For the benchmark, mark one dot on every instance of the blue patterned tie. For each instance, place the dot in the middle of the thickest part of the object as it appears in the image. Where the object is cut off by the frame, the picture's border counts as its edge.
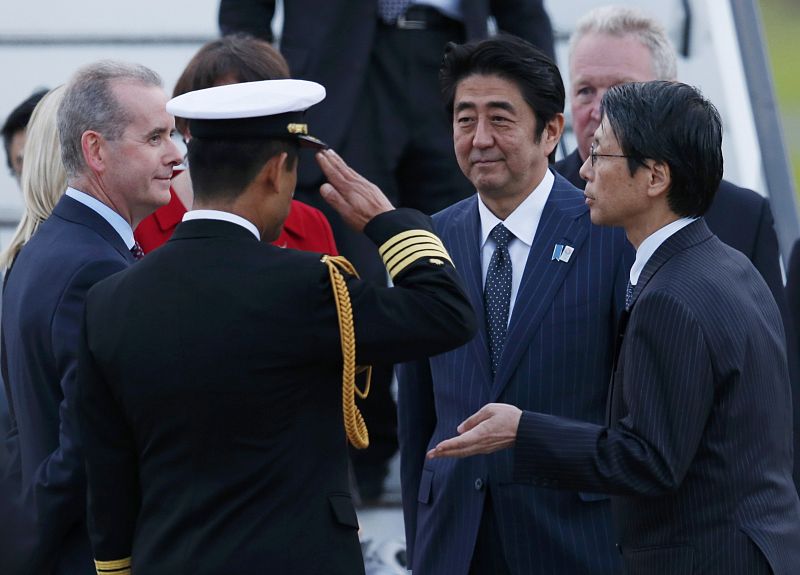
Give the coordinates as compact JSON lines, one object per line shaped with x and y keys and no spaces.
{"x":628,"y":295}
{"x":497,"y":294}
{"x":391,"y":10}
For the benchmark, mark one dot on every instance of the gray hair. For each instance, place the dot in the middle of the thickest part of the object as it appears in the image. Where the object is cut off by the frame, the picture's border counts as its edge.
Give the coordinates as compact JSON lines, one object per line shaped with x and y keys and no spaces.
{"x":622,"y":21}
{"x":90,"y":104}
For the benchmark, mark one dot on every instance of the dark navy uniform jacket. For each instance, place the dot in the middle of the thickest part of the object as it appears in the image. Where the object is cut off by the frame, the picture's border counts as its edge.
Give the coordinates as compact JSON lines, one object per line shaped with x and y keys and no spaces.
{"x":211,"y":396}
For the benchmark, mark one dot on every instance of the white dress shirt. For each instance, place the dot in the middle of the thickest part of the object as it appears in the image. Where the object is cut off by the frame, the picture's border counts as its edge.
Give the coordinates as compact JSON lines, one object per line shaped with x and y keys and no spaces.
{"x":651,"y":243}
{"x":522,"y":223}
{"x":223,"y":216}
{"x":116,"y":221}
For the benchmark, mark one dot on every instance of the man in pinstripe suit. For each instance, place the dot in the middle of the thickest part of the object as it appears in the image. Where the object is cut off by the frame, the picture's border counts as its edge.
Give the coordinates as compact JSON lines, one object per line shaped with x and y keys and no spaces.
{"x":697,"y":447}
{"x":549,"y":350}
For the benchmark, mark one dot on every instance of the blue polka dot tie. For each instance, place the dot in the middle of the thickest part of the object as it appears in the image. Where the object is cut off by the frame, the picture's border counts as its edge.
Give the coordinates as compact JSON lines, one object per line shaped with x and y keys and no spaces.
{"x":497,"y":294}
{"x":391,"y":10}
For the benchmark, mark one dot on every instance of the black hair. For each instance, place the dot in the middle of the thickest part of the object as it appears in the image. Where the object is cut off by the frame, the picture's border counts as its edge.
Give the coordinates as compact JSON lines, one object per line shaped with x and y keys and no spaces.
{"x":222,"y":168}
{"x":673,"y":123}
{"x":18,"y":120}
{"x":513,"y":59}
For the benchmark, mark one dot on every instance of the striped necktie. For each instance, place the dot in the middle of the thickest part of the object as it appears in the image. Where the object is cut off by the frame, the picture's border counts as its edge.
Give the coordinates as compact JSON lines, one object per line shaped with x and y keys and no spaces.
{"x":628,"y":295}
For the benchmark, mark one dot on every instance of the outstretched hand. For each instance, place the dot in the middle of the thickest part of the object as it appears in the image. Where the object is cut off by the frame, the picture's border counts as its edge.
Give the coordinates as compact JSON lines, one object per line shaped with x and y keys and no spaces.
{"x":355,"y":198}
{"x":492,"y":428}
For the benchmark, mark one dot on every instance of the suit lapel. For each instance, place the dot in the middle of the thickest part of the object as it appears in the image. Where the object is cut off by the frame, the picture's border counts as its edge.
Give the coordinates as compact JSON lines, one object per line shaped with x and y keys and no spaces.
{"x":684,"y":238}
{"x":72,"y":210}
{"x":688,"y":236}
{"x":561,"y":223}
{"x":462,"y":239}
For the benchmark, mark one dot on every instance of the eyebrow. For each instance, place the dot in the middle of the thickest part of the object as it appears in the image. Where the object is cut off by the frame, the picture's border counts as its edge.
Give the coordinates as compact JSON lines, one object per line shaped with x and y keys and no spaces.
{"x":501,"y":104}
{"x":158,"y":130}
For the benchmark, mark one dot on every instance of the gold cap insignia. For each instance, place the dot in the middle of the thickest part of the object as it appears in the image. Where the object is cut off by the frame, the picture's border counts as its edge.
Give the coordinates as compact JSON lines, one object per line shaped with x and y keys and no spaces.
{"x":297,"y":128}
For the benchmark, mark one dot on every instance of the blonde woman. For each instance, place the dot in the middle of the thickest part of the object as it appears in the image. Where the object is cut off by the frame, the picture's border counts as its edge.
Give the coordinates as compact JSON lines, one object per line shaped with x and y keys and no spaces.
{"x":43,"y":177}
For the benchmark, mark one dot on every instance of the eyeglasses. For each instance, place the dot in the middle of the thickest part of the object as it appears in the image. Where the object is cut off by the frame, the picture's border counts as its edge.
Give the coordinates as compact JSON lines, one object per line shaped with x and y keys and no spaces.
{"x":594,"y":155}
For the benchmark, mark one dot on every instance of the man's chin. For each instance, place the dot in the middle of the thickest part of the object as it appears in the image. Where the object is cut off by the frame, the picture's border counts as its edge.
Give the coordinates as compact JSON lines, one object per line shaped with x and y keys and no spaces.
{"x":597,"y":217}
{"x":162,"y":195}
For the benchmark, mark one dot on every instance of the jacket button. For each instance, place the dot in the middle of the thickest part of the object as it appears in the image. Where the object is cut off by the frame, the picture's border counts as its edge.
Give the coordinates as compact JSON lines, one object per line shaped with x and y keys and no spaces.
{"x":478,"y":484}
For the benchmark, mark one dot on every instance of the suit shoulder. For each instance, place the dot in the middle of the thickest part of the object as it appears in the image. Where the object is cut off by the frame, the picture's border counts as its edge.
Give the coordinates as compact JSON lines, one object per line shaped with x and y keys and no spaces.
{"x":455,"y":212}
{"x":743,"y":200}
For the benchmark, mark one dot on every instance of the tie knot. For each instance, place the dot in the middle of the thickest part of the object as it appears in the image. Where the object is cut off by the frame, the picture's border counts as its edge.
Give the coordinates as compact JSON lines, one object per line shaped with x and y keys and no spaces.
{"x":500,"y":235}
{"x":137,"y":251}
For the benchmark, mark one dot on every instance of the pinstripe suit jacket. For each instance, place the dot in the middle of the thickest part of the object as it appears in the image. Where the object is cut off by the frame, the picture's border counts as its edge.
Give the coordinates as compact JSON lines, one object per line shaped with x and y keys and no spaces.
{"x":557,"y":359}
{"x":698,"y":450}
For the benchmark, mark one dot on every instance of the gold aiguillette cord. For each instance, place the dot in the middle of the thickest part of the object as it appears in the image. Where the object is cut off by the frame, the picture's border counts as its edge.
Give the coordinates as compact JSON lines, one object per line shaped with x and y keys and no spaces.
{"x":354,"y":424}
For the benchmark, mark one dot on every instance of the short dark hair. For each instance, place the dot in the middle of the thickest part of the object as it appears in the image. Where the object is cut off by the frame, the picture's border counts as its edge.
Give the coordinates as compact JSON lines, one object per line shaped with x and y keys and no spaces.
{"x":513,"y":59}
{"x":18,"y":120}
{"x":222,"y":168}
{"x":673,"y":123}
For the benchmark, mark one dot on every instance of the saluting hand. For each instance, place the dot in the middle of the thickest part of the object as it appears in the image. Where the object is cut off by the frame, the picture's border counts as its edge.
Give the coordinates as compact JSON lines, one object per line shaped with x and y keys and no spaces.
{"x":355,"y":198}
{"x":492,"y":428}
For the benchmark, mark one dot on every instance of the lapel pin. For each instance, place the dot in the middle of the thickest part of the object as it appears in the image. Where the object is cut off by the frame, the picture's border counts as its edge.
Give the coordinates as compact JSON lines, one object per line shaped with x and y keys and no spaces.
{"x":562,"y":253}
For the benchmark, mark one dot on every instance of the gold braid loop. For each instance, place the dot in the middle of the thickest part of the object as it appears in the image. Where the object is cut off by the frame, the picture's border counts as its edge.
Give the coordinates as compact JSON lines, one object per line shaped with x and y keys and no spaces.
{"x":354,"y":424}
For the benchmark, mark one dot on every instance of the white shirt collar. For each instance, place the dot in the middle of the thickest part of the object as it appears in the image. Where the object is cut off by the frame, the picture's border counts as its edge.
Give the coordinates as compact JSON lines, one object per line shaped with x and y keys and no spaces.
{"x":652,"y":242}
{"x":223,"y":216}
{"x":519,"y":222}
{"x":115,"y":220}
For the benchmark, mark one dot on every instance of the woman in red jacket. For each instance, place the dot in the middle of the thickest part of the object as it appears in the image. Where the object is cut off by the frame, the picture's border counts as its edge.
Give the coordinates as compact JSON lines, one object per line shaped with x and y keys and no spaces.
{"x":231,"y":60}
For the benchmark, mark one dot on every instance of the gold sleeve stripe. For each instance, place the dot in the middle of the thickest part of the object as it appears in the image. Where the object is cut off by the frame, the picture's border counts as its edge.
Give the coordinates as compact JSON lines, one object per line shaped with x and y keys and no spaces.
{"x":410,"y":246}
{"x":415,"y":256}
{"x":409,"y":250}
{"x":116,"y":567}
{"x":424,"y":249}
{"x":419,"y":234}
{"x":398,"y":249}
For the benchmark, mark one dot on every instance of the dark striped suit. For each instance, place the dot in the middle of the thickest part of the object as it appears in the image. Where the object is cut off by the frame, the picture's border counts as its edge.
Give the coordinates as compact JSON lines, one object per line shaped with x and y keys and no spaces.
{"x":557,"y":359}
{"x":698,"y":450}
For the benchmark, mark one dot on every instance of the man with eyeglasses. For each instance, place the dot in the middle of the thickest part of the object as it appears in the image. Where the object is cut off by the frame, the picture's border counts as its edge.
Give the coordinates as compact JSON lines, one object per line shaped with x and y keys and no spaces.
{"x":616,"y":44}
{"x":696,"y":448}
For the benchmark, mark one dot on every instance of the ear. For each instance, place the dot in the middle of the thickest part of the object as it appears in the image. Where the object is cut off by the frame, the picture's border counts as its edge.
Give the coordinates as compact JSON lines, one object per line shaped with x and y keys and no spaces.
{"x":660,"y":180}
{"x":93,"y":148}
{"x":552,"y":133}
{"x":272,"y":172}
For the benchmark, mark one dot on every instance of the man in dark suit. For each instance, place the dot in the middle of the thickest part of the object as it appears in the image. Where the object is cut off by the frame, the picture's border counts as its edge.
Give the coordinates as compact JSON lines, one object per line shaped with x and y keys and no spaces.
{"x":379,"y":60}
{"x":549,"y":347}
{"x":616,"y":44}
{"x":230,"y":457}
{"x":117,"y":152}
{"x":697,"y":447}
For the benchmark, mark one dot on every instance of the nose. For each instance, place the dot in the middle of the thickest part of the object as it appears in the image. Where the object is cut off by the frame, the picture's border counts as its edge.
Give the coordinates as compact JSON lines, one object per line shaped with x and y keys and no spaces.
{"x":596,"y":104}
{"x":587,"y":171}
{"x":483,"y":137}
{"x":173,"y":153}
